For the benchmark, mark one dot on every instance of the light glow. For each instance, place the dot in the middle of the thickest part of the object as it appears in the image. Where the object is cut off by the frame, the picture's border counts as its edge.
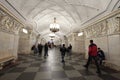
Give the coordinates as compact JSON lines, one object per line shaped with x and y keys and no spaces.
{"x":52,"y":35}
{"x":80,"y":34}
{"x":25,"y":31}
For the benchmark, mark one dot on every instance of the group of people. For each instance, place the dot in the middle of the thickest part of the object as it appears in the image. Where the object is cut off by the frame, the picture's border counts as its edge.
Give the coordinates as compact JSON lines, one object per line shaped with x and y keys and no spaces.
{"x":38,"y":49}
{"x":65,"y":50}
{"x":95,"y":54}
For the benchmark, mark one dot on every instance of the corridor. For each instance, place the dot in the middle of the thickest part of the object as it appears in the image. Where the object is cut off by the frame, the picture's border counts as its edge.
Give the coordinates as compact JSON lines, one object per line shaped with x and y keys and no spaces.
{"x":33,"y":67}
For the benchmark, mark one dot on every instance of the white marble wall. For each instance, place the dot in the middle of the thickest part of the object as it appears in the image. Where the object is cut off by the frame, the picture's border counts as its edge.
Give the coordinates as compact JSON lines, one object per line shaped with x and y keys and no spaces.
{"x":78,"y":43}
{"x":9,"y":34}
{"x":26,"y":41}
{"x":114,"y":49}
{"x":8,"y":45}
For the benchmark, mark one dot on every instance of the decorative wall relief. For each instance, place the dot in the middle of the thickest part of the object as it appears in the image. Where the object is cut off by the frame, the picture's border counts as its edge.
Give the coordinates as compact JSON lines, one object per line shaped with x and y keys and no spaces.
{"x":105,"y":27}
{"x":88,"y":32}
{"x":113,"y":24}
{"x":8,"y":23}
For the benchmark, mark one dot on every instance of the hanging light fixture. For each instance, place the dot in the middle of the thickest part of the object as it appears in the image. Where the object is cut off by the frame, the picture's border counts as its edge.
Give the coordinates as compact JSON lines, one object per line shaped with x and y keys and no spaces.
{"x":54,"y":27}
{"x":52,"y":35}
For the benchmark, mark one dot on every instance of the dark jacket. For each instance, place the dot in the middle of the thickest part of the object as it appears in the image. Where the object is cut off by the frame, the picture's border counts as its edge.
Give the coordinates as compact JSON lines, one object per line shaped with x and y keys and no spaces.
{"x":101,"y":54}
{"x":40,"y":47}
{"x":46,"y":48}
{"x":62,"y":50}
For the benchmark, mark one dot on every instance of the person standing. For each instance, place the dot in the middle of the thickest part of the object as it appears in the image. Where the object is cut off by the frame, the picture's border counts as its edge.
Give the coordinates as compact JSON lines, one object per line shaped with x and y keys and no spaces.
{"x":45,"y":50}
{"x":69,"y":51}
{"x":63,"y":51}
{"x":40,"y":49}
{"x":92,"y":55}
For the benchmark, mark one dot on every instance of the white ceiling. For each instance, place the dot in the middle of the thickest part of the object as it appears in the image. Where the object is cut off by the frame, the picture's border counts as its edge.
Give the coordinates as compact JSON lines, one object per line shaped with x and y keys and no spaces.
{"x":69,"y":13}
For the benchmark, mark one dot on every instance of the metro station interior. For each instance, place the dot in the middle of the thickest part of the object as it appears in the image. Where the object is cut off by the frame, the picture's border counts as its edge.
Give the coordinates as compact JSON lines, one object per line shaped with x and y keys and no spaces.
{"x":28,"y":23}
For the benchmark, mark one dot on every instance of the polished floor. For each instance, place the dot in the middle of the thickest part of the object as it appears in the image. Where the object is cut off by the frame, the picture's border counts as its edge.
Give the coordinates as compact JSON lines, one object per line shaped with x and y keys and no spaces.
{"x":33,"y":67}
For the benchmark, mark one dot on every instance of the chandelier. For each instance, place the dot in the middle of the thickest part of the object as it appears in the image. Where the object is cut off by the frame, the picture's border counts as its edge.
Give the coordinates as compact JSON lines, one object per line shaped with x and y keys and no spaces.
{"x":52,"y":35}
{"x":54,"y":27}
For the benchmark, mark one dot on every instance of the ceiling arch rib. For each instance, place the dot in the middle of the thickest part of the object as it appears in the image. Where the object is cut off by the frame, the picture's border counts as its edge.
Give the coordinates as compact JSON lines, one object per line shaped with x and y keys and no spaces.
{"x":62,"y":6}
{"x":53,"y":11}
{"x":62,"y":15}
{"x":77,"y":12}
{"x":30,"y":11}
{"x":41,"y":11}
{"x":87,"y":6}
{"x":80,"y":3}
{"x":41,"y":16}
{"x":23,"y":2}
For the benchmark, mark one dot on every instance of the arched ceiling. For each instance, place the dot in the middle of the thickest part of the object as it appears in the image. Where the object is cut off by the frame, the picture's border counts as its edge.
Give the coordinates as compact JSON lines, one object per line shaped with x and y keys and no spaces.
{"x":69,"y":13}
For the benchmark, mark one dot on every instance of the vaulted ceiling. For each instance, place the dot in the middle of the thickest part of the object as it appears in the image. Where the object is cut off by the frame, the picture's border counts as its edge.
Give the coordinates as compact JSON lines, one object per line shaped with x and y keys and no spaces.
{"x":70,"y":14}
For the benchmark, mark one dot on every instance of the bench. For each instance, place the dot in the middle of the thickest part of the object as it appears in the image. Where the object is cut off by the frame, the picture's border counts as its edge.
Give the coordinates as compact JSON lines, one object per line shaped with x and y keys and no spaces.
{"x":4,"y":60}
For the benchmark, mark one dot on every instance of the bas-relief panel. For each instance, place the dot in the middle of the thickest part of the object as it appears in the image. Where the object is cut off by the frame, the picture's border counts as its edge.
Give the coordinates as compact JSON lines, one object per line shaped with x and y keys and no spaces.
{"x":113,"y":24}
{"x":106,"y":27}
{"x":96,"y":30}
{"x":8,"y":23}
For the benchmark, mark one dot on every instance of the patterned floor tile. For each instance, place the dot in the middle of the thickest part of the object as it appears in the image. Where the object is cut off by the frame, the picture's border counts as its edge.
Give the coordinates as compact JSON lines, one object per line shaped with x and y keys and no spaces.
{"x":73,"y":73}
{"x":34,"y":67}
{"x":43,"y":76}
{"x":93,"y":78}
{"x":108,"y":77}
{"x":77,"y":78}
{"x":58,"y":75}
{"x":68,"y":68}
{"x":17,"y":69}
{"x":116,"y":75}
{"x":27,"y":76}
{"x":10,"y":76}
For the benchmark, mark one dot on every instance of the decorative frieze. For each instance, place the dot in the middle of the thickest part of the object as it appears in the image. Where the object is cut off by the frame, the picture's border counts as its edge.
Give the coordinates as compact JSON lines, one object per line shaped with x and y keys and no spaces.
{"x":108,"y":26}
{"x":8,"y":23}
{"x":113,"y":24}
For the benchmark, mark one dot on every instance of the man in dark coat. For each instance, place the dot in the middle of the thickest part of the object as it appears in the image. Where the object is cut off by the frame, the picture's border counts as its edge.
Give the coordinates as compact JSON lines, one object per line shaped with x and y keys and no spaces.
{"x":45,"y":50}
{"x":69,"y":51}
{"x":63,"y":51}
{"x":40,"y":49}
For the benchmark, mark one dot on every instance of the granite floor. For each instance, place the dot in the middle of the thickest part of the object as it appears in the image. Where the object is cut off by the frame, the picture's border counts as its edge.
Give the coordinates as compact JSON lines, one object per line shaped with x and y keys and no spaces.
{"x":33,"y":67}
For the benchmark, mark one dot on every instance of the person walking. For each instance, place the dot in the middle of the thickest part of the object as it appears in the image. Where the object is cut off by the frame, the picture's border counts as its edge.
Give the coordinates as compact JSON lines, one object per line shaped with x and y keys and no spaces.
{"x":35,"y":50}
{"x":63,"y":51}
{"x":45,"y":50}
{"x":69,"y":51}
{"x":40,"y":49}
{"x":92,"y":55}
